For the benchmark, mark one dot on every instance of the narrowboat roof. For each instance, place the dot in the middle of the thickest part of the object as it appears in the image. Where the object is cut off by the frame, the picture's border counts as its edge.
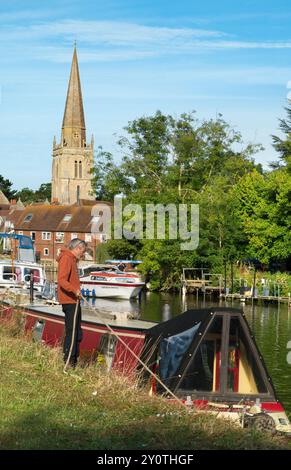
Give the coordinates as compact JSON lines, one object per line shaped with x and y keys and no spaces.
{"x":187,"y":320}
{"x":93,"y":316}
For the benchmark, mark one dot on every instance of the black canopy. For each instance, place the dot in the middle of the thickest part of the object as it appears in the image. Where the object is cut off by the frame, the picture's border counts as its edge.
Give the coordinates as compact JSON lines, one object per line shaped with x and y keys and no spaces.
{"x":210,"y":351}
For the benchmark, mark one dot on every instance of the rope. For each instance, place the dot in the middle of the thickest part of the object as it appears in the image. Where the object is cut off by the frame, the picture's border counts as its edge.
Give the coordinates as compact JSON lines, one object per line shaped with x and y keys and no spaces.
{"x":135,"y":356}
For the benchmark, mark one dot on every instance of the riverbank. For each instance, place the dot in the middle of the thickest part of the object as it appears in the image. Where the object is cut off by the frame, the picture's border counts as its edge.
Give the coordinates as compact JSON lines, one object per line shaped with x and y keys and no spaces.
{"x":42,"y":408}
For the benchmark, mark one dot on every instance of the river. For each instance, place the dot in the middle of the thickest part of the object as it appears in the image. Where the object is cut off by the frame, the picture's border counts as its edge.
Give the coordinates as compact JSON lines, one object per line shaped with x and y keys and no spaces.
{"x":270,"y":323}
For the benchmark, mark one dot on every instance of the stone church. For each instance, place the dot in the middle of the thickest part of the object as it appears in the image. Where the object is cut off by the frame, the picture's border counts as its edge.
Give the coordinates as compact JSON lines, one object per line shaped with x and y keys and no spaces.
{"x":73,"y":207}
{"x":73,"y":157}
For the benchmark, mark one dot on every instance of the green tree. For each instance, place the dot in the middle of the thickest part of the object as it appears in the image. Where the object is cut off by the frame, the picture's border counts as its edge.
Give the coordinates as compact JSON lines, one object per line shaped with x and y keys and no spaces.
{"x":171,"y":160}
{"x":108,"y":178}
{"x":29,"y":196}
{"x":283,"y":145}
{"x":6,"y":188}
{"x":264,"y":208}
{"x":43,"y":192}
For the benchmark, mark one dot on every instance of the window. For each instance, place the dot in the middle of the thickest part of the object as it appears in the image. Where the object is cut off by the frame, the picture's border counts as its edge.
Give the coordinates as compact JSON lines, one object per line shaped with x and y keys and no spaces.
{"x":28,"y":218}
{"x":80,"y":169}
{"x":32,"y":234}
{"x":243,"y":372}
{"x":46,"y":235}
{"x":106,"y":350}
{"x":172,"y":351}
{"x":203,"y":372}
{"x":37,"y":330}
{"x":78,"y":193}
{"x":76,"y":169}
{"x":74,"y":235}
{"x":46,"y":252}
{"x":20,"y":232}
{"x":60,"y":237}
{"x":88,"y":237}
{"x":27,"y":273}
{"x":8,"y":275}
{"x":67,"y":218}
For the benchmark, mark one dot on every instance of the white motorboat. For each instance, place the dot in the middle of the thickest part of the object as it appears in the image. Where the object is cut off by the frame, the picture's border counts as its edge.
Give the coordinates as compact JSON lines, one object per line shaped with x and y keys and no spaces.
{"x":21,"y":269}
{"x":110,"y":284}
{"x":18,"y":274}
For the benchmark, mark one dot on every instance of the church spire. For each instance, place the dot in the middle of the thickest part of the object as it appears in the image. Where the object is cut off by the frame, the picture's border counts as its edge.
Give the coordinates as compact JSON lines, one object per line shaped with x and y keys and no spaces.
{"x":73,"y":128}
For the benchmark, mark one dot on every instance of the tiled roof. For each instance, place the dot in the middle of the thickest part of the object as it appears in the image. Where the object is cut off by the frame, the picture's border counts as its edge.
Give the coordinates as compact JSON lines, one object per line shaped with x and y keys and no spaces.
{"x":3,"y":198}
{"x":50,"y":218}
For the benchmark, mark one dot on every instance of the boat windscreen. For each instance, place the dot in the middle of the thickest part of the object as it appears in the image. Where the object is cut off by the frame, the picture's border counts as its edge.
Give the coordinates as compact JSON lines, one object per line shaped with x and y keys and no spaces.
{"x":200,"y":373}
{"x":244,"y":374}
{"x":172,"y":351}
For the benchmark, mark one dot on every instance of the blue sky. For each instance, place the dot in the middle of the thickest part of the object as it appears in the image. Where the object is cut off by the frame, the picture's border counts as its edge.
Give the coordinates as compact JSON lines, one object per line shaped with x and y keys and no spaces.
{"x":136,"y":57}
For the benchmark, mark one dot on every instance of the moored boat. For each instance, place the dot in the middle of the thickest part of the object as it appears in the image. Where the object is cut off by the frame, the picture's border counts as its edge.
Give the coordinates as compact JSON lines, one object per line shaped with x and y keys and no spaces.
{"x":18,"y":274}
{"x":21,"y":269}
{"x":111,"y":284}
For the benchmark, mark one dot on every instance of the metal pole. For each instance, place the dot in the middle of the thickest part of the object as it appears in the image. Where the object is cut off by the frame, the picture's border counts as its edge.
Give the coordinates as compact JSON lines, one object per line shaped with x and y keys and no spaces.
{"x":31,"y":288}
{"x":254,"y":283}
{"x":231,"y":274}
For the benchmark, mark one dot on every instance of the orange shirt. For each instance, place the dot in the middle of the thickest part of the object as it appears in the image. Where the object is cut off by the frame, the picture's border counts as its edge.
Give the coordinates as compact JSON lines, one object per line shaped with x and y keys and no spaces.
{"x":68,"y":278}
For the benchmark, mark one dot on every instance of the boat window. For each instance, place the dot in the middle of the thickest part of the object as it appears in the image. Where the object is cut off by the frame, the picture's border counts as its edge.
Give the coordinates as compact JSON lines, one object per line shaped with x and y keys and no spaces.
{"x":35,"y":272}
{"x":99,"y":278}
{"x":106,"y":350}
{"x":87,"y":271}
{"x":124,"y":279}
{"x":172,"y":351}
{"x":202,"y":371}
{"x":10,"y":274}
{"x":37,"y":330}
{"x":243,"y":374}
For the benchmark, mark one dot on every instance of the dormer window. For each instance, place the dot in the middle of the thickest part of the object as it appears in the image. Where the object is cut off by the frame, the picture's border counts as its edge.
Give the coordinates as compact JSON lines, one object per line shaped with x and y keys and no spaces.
{"x":28,"y":218}
{"x":67,"y":218}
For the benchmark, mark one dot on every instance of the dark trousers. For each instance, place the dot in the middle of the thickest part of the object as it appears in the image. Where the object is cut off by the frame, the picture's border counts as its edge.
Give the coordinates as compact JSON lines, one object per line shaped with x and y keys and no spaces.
{"x":69,"y":311}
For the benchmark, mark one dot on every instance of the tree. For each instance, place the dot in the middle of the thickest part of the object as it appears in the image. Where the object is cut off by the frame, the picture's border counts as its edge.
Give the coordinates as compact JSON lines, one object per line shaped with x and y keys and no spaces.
{"x":6,"y":188}
{"x":169,"y":160}
{"x":29,"y":196}
{"x":108,"y":178}
{"x":43,"y":192}
{"x":283,"y":146}
{"x":264,"y":208}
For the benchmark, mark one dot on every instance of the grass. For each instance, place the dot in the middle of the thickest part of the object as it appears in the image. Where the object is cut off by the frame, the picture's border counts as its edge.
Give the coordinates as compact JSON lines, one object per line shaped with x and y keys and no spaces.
{"x":43,"y":408}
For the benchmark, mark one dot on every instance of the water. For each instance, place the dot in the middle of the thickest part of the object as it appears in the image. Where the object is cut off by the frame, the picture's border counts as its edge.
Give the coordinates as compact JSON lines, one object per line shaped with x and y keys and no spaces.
{"x":270,"y":323}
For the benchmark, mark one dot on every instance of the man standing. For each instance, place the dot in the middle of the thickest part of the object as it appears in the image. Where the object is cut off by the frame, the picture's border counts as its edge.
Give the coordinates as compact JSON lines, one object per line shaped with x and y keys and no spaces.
{"x":69,"y":295}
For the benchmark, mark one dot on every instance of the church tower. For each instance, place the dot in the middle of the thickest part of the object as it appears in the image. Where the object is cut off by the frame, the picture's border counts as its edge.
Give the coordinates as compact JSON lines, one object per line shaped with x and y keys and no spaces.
{"x":73,"y":158}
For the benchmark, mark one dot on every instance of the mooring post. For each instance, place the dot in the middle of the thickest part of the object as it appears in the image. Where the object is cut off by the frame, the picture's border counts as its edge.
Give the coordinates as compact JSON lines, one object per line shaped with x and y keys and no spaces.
{"x":225,"y":276}
{"x":31,"y":287}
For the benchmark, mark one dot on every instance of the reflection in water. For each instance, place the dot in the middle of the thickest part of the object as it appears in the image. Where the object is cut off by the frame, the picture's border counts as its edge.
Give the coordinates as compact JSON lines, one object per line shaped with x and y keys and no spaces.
{"x":271,"y":326}
{"x":166,"y":313}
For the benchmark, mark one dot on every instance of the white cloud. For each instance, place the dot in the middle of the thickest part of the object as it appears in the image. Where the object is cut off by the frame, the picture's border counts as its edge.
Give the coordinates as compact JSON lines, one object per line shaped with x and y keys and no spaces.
{"x":117,"y":41}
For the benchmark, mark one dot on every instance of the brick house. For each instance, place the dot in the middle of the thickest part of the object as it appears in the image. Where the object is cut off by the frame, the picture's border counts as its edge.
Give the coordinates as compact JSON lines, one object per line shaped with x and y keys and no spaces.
{"x":53,"y":226}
